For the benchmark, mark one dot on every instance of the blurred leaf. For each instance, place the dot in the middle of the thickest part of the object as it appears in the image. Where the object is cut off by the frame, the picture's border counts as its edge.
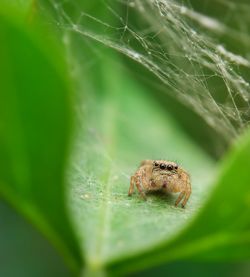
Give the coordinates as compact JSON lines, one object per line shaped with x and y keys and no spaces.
{"x":22,"y":6}
{"x":19,"y":249}
{"x":221,"y":230}
{"x":35,"y":122}
{"x":125,"y":126}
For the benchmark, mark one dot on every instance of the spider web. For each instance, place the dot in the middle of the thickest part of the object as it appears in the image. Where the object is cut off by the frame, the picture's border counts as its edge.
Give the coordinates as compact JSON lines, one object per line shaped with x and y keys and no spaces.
{"x":179,"y":45}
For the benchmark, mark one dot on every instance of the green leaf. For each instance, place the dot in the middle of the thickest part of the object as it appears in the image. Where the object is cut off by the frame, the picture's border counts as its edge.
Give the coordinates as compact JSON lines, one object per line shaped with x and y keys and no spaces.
{"x":22,"y":8}
{"x":221,"y":230}
{"x":124,"y":125}
{"x":35,"y":123}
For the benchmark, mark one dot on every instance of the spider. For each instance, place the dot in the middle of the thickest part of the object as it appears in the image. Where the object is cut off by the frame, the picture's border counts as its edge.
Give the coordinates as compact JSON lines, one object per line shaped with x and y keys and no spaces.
{"x":161,"y":175}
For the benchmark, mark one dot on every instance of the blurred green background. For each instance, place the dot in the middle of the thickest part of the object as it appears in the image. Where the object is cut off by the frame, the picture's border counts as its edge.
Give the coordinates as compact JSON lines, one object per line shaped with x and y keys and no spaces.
{"x":88,"y":90}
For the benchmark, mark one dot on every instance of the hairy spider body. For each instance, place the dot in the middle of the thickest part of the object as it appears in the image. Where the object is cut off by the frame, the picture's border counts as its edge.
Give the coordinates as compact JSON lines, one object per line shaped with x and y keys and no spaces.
{"x":161,"y":175}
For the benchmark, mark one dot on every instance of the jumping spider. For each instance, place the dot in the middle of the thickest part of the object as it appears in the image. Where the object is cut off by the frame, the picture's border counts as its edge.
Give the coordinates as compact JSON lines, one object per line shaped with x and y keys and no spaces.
{"x":160,"y":175}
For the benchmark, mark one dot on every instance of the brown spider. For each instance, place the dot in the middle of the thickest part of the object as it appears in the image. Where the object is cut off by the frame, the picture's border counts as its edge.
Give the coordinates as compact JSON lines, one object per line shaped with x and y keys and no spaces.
{"x":160,"y":175}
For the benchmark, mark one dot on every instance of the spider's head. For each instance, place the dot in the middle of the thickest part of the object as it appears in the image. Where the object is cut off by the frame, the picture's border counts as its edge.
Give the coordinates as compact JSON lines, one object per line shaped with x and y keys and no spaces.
{"x":164,"y":167}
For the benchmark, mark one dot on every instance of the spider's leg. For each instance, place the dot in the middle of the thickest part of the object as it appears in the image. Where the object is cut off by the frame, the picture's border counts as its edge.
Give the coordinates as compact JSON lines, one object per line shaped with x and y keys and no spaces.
{"x":132,"y":185}
{"x":138,"y":185}
{"x":144,"y":180}
{"x":181,"y":195}
{"x":187,"y":192}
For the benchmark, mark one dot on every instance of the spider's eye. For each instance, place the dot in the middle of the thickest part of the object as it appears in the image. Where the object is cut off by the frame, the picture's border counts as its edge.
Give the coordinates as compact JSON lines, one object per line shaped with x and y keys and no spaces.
{"x":170,"y":167}
{"x":176,"y":167}
{"x":162,"y":166}
{"x":156,"y":164}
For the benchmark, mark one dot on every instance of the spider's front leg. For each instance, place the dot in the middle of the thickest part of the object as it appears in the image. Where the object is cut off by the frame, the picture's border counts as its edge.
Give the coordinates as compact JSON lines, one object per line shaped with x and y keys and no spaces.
{"x":187,"y":194}
{"x":184,"y":193}
{"x":132,"y":185}
{"x":138,"y":183}
{"x":181,"y":195}
{"x":138,"y":179}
